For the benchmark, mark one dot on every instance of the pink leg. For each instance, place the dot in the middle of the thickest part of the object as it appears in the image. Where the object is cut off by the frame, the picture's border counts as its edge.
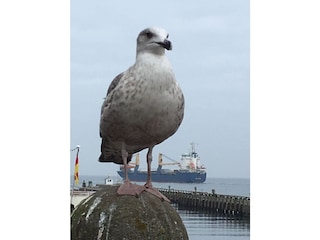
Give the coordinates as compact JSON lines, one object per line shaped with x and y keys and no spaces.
{"x":128,"y":188}
{"x":148,"y":185}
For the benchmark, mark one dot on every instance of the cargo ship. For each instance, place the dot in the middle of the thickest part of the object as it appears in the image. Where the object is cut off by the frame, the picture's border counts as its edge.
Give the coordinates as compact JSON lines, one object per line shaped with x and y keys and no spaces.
{"x":190,"y":170}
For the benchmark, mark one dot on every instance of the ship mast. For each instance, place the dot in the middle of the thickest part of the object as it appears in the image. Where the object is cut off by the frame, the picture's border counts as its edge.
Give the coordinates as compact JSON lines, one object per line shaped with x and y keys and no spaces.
{"x":193,"y":149}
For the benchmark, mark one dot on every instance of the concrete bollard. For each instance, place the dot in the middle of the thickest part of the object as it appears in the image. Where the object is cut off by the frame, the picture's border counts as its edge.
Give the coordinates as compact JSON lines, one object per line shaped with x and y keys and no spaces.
{"x":106,"y":215}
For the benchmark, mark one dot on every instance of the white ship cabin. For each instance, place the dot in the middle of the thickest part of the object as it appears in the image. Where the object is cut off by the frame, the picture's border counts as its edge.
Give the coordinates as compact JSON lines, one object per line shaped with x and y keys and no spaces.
{"x":190,"y":161}
{"x":108,"y":181}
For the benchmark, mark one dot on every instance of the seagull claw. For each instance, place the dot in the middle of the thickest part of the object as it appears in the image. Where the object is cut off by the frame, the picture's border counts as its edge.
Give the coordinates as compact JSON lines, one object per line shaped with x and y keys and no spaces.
{"x":132,"y":189}
{"x":129,"y":188}
{"x":158,"y":194}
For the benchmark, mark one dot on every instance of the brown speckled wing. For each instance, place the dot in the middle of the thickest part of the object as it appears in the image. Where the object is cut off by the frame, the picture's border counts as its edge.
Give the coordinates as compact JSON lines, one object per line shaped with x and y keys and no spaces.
{"x":114,"y":82}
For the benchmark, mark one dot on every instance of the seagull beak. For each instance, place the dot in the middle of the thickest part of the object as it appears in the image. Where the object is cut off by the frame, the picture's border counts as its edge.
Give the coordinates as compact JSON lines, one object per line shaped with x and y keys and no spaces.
{"x":166,"y":44}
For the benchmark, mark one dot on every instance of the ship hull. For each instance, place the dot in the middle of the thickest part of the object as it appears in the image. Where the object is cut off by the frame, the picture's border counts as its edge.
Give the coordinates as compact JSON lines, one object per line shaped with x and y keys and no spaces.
{"x":176,"y":176}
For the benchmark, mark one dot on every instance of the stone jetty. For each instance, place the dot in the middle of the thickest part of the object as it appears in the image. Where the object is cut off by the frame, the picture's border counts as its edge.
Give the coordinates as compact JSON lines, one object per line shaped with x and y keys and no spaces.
{"x":209,"y":202}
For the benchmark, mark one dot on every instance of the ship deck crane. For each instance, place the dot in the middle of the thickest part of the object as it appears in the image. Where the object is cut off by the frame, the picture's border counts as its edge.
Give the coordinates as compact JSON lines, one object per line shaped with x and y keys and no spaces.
{"x":161,"y":163}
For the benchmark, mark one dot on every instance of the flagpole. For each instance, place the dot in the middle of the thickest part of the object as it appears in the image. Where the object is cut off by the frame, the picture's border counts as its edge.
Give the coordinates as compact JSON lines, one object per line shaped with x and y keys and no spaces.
{"x":75,"y":166}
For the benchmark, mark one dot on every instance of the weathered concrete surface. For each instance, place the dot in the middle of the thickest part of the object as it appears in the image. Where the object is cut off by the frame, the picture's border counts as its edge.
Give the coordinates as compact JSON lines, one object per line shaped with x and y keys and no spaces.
{"x":106,"y":215}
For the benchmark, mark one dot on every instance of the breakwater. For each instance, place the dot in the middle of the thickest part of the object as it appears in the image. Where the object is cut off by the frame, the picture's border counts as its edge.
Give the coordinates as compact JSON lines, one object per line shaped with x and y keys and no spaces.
{"x":209,"y":202}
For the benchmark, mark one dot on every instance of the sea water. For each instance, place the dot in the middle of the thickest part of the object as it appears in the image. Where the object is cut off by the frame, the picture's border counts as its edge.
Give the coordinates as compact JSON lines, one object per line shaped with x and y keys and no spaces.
{"x":203,"y":226}
{"x":206,"y":226}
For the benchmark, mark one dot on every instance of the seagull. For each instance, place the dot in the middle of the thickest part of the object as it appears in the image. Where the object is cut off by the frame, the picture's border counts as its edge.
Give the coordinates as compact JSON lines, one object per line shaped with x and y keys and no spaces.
{"x":143,"y":107}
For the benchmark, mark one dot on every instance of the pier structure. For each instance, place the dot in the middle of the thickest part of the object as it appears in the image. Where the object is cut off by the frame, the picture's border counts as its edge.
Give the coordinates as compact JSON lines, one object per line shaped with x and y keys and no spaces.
{"x":209,"y":202}
{"x":190,"y":200}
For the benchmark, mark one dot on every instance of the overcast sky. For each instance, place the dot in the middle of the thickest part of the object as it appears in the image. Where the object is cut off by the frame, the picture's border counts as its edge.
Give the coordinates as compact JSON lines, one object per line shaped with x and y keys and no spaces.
{"x":211,"y":62}
{"x":285,"y":116}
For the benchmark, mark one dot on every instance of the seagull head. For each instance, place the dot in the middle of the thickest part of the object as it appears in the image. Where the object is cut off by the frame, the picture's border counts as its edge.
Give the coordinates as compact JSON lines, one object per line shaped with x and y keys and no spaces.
{"x":154,"y":40}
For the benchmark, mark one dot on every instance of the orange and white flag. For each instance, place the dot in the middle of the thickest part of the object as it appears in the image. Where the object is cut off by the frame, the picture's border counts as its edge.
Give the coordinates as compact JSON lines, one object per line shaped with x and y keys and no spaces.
{"x":76,"y":170}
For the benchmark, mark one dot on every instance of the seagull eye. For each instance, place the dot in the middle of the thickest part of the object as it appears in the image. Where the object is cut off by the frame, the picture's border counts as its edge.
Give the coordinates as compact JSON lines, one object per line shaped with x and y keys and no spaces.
{"x":149,"y":34}
{"x":167,"y":35}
